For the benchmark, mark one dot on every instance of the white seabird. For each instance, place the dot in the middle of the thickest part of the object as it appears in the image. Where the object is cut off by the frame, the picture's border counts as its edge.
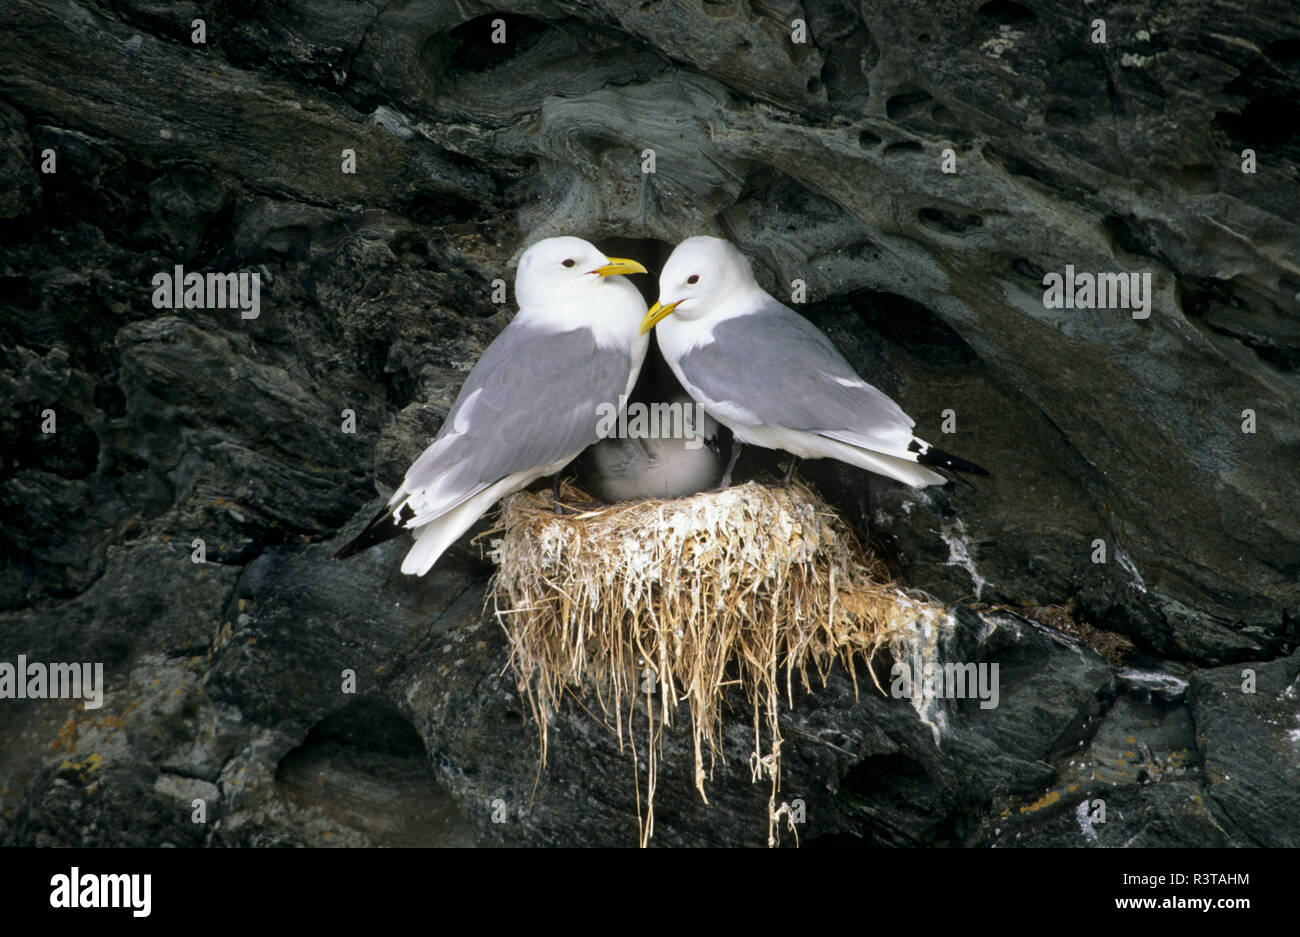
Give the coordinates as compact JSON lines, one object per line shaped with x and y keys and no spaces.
{"x":770,"y":375}
{"x":531,"y":403}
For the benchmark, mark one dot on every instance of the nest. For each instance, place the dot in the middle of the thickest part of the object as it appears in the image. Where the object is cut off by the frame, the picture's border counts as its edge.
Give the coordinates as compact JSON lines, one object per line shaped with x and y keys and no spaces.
{"x":664,"y":602}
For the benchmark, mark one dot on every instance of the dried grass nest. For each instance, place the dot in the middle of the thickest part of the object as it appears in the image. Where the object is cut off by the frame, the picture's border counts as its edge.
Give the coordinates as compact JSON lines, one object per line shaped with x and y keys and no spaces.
{"x":661,"y":602}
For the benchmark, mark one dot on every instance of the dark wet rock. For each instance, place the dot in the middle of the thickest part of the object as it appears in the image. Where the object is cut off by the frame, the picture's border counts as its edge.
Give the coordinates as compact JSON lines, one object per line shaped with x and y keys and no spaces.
{"x":21,"y":189}
{"x":1248,"y":741}
{"x":823,"y":161}
{"x":866,"y":768}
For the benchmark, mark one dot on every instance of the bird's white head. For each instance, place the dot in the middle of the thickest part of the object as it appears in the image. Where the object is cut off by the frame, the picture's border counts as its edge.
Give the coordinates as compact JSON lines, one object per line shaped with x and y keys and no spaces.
{"x":702,"y":274}
{"x":558,"y":267}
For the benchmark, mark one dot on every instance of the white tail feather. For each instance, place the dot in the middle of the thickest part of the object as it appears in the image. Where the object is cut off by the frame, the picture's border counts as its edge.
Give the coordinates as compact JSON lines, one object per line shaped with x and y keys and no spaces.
{"x":903,"y":469}
{"x":433,"y":539}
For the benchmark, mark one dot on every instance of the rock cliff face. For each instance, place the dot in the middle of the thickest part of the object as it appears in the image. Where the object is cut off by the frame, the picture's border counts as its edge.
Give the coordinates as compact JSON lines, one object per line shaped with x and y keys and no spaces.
{"x":1174,"y":439}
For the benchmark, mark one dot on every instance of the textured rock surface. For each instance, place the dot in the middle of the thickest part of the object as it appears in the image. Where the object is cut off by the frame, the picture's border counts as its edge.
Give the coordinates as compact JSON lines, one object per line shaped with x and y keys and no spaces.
{"x":822,"y":160}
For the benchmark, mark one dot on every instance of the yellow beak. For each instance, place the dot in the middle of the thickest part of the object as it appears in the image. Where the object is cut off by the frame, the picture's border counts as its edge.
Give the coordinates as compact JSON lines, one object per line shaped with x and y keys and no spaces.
{"x":619,"y":265}
{"x":657,"y":311}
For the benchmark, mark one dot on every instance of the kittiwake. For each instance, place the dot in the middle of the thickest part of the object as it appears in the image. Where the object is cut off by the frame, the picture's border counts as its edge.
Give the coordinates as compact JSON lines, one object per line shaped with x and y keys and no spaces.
{"x":770,"y":375}
{"x":531,"y":403}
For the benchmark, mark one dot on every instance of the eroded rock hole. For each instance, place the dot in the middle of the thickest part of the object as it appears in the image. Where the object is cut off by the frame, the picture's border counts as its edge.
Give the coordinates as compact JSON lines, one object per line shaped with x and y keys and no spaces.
{"x":365,"y":767}
{"x":906,"y":104}
{"x":475,"y":50}
{"x":937,"y":219}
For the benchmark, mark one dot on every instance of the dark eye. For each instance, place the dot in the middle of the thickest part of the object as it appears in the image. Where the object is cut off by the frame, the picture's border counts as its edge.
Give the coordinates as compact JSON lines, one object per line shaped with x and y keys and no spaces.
{"x":693,"y":279}
{"x":570,"y":262}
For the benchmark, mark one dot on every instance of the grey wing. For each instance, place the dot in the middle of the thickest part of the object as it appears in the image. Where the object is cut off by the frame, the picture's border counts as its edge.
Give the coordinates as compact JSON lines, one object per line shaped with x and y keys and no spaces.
{"x":775,"y":368}
{"x":531,"y":400}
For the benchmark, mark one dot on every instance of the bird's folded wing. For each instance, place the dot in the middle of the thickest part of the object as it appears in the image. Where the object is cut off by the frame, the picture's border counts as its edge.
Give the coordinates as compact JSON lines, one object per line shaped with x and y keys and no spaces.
{"x":774,"y":368}
{"x":531,"y":400}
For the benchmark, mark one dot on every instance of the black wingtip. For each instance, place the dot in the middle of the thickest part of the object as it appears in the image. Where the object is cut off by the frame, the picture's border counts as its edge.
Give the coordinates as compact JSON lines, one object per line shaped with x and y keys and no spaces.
{"x":937,"y":458}
{"x":381,"y":529}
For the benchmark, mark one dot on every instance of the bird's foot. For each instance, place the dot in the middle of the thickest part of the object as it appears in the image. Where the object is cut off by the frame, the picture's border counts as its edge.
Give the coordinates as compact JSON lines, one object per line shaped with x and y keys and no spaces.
{"x":789,"y":471}
{"x":556,"y":506}
{"x":731,"y":465}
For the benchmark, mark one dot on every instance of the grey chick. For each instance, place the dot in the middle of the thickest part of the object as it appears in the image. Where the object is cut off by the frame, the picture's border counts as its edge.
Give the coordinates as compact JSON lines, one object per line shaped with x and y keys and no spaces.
{"x":668,"y":450}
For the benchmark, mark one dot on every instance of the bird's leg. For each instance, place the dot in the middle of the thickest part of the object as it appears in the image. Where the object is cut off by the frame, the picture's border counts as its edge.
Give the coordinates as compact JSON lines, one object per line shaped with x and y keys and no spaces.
{"x":789,"y":470}
{"x":866,"y":502}
{"x":736,"y":446}
{"x":555,"y":494}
